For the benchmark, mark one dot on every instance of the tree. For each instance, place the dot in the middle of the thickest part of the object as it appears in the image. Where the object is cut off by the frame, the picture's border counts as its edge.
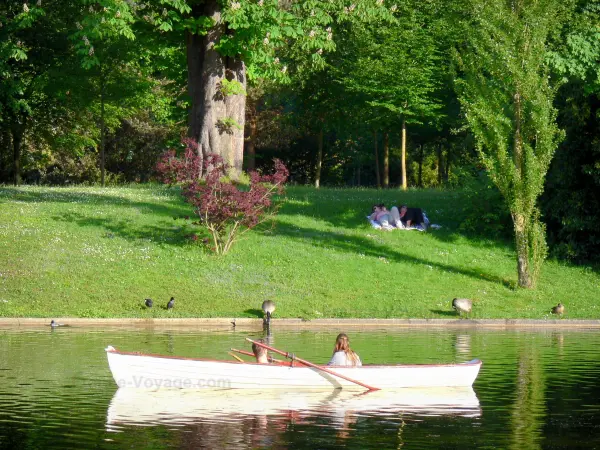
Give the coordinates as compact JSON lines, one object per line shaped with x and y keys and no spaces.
{"x":228,"y":42}
{"x":507,"y":97}
{"x":396,"y":72}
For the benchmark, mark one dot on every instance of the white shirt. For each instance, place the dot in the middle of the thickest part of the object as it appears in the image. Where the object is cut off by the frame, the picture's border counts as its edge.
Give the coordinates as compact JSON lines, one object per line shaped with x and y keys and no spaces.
{"x":341,"y":359}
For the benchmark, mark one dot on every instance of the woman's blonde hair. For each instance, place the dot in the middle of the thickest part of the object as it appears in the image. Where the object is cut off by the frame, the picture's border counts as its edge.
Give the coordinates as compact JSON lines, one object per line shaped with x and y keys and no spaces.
{"x":342,"y":344}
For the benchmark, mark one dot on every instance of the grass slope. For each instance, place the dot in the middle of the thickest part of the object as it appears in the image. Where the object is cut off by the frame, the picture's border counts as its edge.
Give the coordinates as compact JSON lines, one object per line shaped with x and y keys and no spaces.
{"x":93,"y":252}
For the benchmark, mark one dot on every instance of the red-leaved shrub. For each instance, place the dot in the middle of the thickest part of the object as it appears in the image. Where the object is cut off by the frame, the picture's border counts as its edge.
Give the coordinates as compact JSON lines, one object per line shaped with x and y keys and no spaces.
{"x":226,"y":210}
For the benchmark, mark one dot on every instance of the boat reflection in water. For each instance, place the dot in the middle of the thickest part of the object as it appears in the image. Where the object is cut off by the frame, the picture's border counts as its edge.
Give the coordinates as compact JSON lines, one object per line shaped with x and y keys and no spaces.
{"x":183,"y":407}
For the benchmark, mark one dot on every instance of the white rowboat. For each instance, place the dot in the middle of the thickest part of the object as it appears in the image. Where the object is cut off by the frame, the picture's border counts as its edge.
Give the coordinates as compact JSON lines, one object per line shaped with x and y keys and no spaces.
{"x":153,"y":372}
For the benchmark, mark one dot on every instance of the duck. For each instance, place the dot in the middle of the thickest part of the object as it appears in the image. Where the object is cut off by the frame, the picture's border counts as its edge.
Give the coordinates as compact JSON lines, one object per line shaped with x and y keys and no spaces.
{"x":148,"y":302}
{"x":171,"y":303}
{"x":55,"y":324}
{"x":268,"y":308}
{"x":462,"y":305}
{"x":558,"y":309}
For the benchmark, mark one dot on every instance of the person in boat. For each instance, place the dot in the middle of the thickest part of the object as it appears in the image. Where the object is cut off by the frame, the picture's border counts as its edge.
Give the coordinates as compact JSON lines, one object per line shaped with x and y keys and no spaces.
{"x":342,"y":354}
{"x":260,"y":352}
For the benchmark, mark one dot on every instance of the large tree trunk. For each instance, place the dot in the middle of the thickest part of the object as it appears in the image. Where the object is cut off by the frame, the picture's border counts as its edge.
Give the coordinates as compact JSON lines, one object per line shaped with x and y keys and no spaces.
{"x":216,"y":121}
{"x":404,"y":183}
{"x":377,"y":174}
{"x":386,"y":160}
{"x":319,"y":163}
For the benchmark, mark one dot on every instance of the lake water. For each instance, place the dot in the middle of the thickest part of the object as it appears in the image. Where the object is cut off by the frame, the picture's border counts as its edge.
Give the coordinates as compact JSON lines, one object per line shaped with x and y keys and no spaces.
{"x":536,"y":389}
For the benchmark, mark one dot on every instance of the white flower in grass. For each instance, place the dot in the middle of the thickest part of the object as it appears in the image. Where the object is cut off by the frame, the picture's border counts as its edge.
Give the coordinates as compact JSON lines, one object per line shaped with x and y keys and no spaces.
{"x":25,"y":7}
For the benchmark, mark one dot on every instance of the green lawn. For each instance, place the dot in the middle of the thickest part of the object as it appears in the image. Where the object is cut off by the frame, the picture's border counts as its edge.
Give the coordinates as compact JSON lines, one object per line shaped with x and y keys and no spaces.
{"x":94,"y":252}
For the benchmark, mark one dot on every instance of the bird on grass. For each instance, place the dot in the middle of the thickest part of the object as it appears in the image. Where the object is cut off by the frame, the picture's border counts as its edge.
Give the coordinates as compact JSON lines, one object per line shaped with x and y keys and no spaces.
{"x":558,"y":309}
{"x":462,"y":305}
{"x":268,"y":308}
{"x":171,"y":303}
{"x":149,"y":302}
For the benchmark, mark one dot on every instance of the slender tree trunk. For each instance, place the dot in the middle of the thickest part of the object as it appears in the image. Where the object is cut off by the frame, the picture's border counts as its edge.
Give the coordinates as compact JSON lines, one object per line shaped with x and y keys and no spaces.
{"x":319,"y":160}
{"x":404,"y":183}
{"x":102,"y":134}
{"x":216,"y":121}
{"x":520,"y":218}
{"x":5,"y":150}
{"x":440,"y":161}
{"x":420,"y":181}
{"x":358,"y":176}
{"x":17,"y":140}
{"x":386,"y":160}
{"x":251,"y":142}
{"x":377,"y":174}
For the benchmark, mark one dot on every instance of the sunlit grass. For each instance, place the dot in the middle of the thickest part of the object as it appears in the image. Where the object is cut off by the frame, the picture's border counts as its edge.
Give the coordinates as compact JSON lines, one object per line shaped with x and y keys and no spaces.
{"x":94,"y":252}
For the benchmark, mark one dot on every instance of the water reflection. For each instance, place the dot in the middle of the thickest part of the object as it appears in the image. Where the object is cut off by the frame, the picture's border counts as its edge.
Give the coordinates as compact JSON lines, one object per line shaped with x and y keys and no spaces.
{"x":142,"y":407}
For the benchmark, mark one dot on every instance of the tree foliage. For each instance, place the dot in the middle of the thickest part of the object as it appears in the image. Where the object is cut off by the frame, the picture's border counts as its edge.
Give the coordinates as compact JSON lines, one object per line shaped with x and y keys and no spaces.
{"x":508,"y":100}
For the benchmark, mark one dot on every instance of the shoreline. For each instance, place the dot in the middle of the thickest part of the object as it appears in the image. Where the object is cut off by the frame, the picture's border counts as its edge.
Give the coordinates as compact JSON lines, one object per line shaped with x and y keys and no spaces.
{"x":251,"y":323}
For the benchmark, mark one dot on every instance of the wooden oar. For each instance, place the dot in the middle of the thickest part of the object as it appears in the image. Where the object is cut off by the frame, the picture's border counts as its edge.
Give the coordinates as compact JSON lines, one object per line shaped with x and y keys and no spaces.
{"x":309,"y":364}
{"x":243,"y":352}
{"x":236,"y":356}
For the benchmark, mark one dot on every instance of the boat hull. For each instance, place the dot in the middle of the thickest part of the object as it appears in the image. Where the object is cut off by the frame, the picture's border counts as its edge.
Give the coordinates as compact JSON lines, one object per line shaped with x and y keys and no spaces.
{"x":155,"y":372}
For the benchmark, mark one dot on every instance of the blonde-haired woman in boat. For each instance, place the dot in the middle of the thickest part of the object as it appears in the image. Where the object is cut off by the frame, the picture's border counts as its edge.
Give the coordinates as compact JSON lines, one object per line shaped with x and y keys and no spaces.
{"x":342,"y":354}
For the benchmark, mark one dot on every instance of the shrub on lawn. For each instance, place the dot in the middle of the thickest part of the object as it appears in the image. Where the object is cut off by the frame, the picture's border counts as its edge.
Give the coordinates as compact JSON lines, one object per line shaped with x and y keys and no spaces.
{"x":225,"y":208}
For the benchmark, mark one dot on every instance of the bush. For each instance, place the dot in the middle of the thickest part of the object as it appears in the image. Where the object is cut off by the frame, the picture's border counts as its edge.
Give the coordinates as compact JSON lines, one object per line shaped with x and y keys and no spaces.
{"x":224,"y":207}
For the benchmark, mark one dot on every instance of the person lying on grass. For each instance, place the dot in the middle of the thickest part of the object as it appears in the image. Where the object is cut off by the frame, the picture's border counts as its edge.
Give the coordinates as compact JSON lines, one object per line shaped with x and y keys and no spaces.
{"x":387,"y":219}
{"x":412,"y":217}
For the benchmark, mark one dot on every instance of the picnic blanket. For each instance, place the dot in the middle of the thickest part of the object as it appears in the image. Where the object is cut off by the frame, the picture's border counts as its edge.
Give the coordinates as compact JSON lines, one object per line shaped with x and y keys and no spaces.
{"x":400,"y":226}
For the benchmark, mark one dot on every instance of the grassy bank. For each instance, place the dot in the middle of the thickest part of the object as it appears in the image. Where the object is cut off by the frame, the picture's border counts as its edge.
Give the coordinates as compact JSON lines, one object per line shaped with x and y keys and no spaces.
{"x":92,"y":252}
